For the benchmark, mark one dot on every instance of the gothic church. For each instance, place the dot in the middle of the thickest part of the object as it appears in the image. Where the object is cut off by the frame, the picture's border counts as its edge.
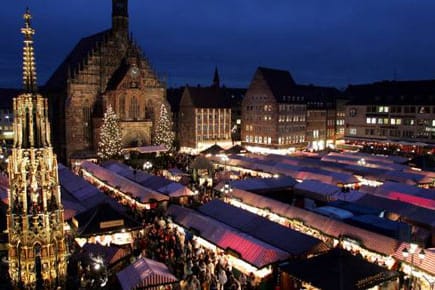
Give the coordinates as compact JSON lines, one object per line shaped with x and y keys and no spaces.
{"x":105,"y":68}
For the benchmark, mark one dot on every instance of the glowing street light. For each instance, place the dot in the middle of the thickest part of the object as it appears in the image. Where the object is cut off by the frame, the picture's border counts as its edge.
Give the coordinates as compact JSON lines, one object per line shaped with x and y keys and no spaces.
{"x":147,"y":166}
{"x":412,"y":252}
{"x":226,"y":189}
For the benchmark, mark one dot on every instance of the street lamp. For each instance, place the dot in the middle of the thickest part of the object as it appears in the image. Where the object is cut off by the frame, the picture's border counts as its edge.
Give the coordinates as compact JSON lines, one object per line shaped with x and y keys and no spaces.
{"x":147,"y":166}
{"x":362,"y":162}
{"x":226,"y":189}
{"x":412,"y":252}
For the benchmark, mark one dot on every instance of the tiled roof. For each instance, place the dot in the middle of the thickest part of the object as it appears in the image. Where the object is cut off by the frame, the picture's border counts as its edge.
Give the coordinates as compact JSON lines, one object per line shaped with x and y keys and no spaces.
{"x":77,"y":55}
{"x":279,"y":81}
{"x":209,"y":97}
{"x":393,"y":92}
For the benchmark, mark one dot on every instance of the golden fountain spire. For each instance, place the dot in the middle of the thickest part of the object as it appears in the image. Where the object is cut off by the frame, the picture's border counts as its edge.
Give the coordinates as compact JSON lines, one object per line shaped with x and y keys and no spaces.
{"x":37,"y":251}
{"x":29,"y":68}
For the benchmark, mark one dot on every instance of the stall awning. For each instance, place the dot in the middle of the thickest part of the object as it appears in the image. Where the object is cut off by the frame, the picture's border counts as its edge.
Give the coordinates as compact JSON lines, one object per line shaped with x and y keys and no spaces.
{"x":338,"y":269}
{"x":289,"y":240}
{"x":250,"y":249}
{"x":124,"y":185}
{"x":103,"y":218}
{"x":145,"y":273}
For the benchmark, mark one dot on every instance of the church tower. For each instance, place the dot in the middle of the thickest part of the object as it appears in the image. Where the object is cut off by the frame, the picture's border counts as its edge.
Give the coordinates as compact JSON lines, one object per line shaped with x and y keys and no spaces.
{"x":120,"y":18}
{"x":37,"y":251}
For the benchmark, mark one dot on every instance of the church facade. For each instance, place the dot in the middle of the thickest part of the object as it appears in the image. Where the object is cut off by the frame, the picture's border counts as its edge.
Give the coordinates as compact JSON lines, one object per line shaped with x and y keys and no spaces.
{"x":105,"y":68}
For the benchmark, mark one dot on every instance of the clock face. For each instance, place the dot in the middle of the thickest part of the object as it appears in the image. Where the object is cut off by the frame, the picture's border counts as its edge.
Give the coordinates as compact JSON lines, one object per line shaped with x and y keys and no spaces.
{"x":134,"y":72}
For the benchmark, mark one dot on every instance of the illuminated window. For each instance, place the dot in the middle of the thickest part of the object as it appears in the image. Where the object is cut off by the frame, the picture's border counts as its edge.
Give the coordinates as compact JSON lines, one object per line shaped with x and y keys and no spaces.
{"x":352,"y":131}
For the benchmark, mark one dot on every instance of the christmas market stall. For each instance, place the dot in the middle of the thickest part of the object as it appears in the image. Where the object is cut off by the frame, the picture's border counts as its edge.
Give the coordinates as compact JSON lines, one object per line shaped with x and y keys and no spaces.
{"x":317,"y":190}
{"x":372,"y":246}
{"x":76,"y":190}
{"x":174,"y":190}
{"x":335,"y":270}
{"x":105,"y":224}
{"x":407,"y":193}
{"x":126,"y":191}
{"x":145,"y":274}
{"x":295,"y":243}
{"x":244,"y":252}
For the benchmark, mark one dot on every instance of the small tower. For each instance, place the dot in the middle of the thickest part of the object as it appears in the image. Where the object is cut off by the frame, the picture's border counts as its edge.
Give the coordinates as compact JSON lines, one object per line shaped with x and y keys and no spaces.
{"x":120,"y":18}
{"x":37,"y":251}
{"x":216,"y":79}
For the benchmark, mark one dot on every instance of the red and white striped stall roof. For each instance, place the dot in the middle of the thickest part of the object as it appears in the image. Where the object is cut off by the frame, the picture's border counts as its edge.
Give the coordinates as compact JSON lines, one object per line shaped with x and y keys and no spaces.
{"x":145,"y":273}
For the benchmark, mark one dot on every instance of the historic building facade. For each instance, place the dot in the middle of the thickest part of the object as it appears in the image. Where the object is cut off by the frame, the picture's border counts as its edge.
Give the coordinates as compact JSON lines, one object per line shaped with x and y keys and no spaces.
{"x":399,"y":113}
{"x":280,"y":116}
{"x":35,"y":218}
{"x":205,"y":117}
{"x":107,"y":67}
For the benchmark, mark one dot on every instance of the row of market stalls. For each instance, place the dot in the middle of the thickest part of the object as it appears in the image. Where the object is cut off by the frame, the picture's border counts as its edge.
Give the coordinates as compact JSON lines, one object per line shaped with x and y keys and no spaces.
{"x":250,"y":242}
{"x":174,"y":190}
{"x":346,"y":169}
{"x":373,"y":247}
{"x":128,"y":191}
{"x":105,"y":232}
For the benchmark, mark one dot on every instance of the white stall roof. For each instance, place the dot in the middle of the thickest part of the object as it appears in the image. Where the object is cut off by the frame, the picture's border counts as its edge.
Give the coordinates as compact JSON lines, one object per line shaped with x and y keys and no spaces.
{"x":125,"y":185}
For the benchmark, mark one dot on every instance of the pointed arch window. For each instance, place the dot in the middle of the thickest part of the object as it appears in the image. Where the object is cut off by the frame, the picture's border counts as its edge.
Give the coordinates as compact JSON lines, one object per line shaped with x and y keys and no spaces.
{"x":148,"y":111}
{"x":122,"y":106}
{"x":87,"y":123}
{"x":134,"y":108}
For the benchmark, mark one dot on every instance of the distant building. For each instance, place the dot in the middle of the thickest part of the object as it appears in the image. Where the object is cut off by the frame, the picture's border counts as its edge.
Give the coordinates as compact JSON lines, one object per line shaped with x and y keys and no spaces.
{"x":204,"y":117}
{"x":398,"y":113}
{"x":107,"y":67}
{"x":280,"y":116}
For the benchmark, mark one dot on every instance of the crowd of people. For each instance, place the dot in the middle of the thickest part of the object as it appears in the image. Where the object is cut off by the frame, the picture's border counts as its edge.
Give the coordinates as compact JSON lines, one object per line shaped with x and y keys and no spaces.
{"x":197,"y":268}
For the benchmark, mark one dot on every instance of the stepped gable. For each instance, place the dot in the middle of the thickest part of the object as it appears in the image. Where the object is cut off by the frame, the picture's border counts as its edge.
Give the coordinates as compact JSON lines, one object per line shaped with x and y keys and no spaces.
{"x":81,"y":51}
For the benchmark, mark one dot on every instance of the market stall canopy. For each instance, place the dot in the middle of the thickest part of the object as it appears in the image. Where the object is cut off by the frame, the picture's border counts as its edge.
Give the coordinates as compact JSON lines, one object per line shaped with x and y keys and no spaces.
{"x":126,"y":186}
{"x":330,"y":227}
{"x":289,"y":240}
{"x":407,"y":193}
{"x":150,"y":181}
{"x":338,"y":269}
{"x":111,"y":255}
{"x":262,"y":184}
{"x":76,"y":190}
{"x":236,"y":149}
{"x":145,"y":273}
{"x":146,"y":149}
{"x":409,"y":212}
{"x":214,"y":149}
{"x":317,"y":190}
{"x":250,"y":249}
{"x":103,"y":218}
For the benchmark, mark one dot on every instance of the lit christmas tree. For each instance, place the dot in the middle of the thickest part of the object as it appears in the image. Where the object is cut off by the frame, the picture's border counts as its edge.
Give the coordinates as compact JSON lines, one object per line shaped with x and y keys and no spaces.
{"x":109,"y":145}
{"x":163,"y":134}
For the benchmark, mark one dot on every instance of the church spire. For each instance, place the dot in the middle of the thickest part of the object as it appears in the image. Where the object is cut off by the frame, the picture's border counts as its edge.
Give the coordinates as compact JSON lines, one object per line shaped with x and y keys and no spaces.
{"x":29,"y":68}
{"x":216,"y":79}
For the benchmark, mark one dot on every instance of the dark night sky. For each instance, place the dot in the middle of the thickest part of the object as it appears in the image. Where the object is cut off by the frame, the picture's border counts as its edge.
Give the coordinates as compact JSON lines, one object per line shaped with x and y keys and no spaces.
{"x":332,"y":42}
